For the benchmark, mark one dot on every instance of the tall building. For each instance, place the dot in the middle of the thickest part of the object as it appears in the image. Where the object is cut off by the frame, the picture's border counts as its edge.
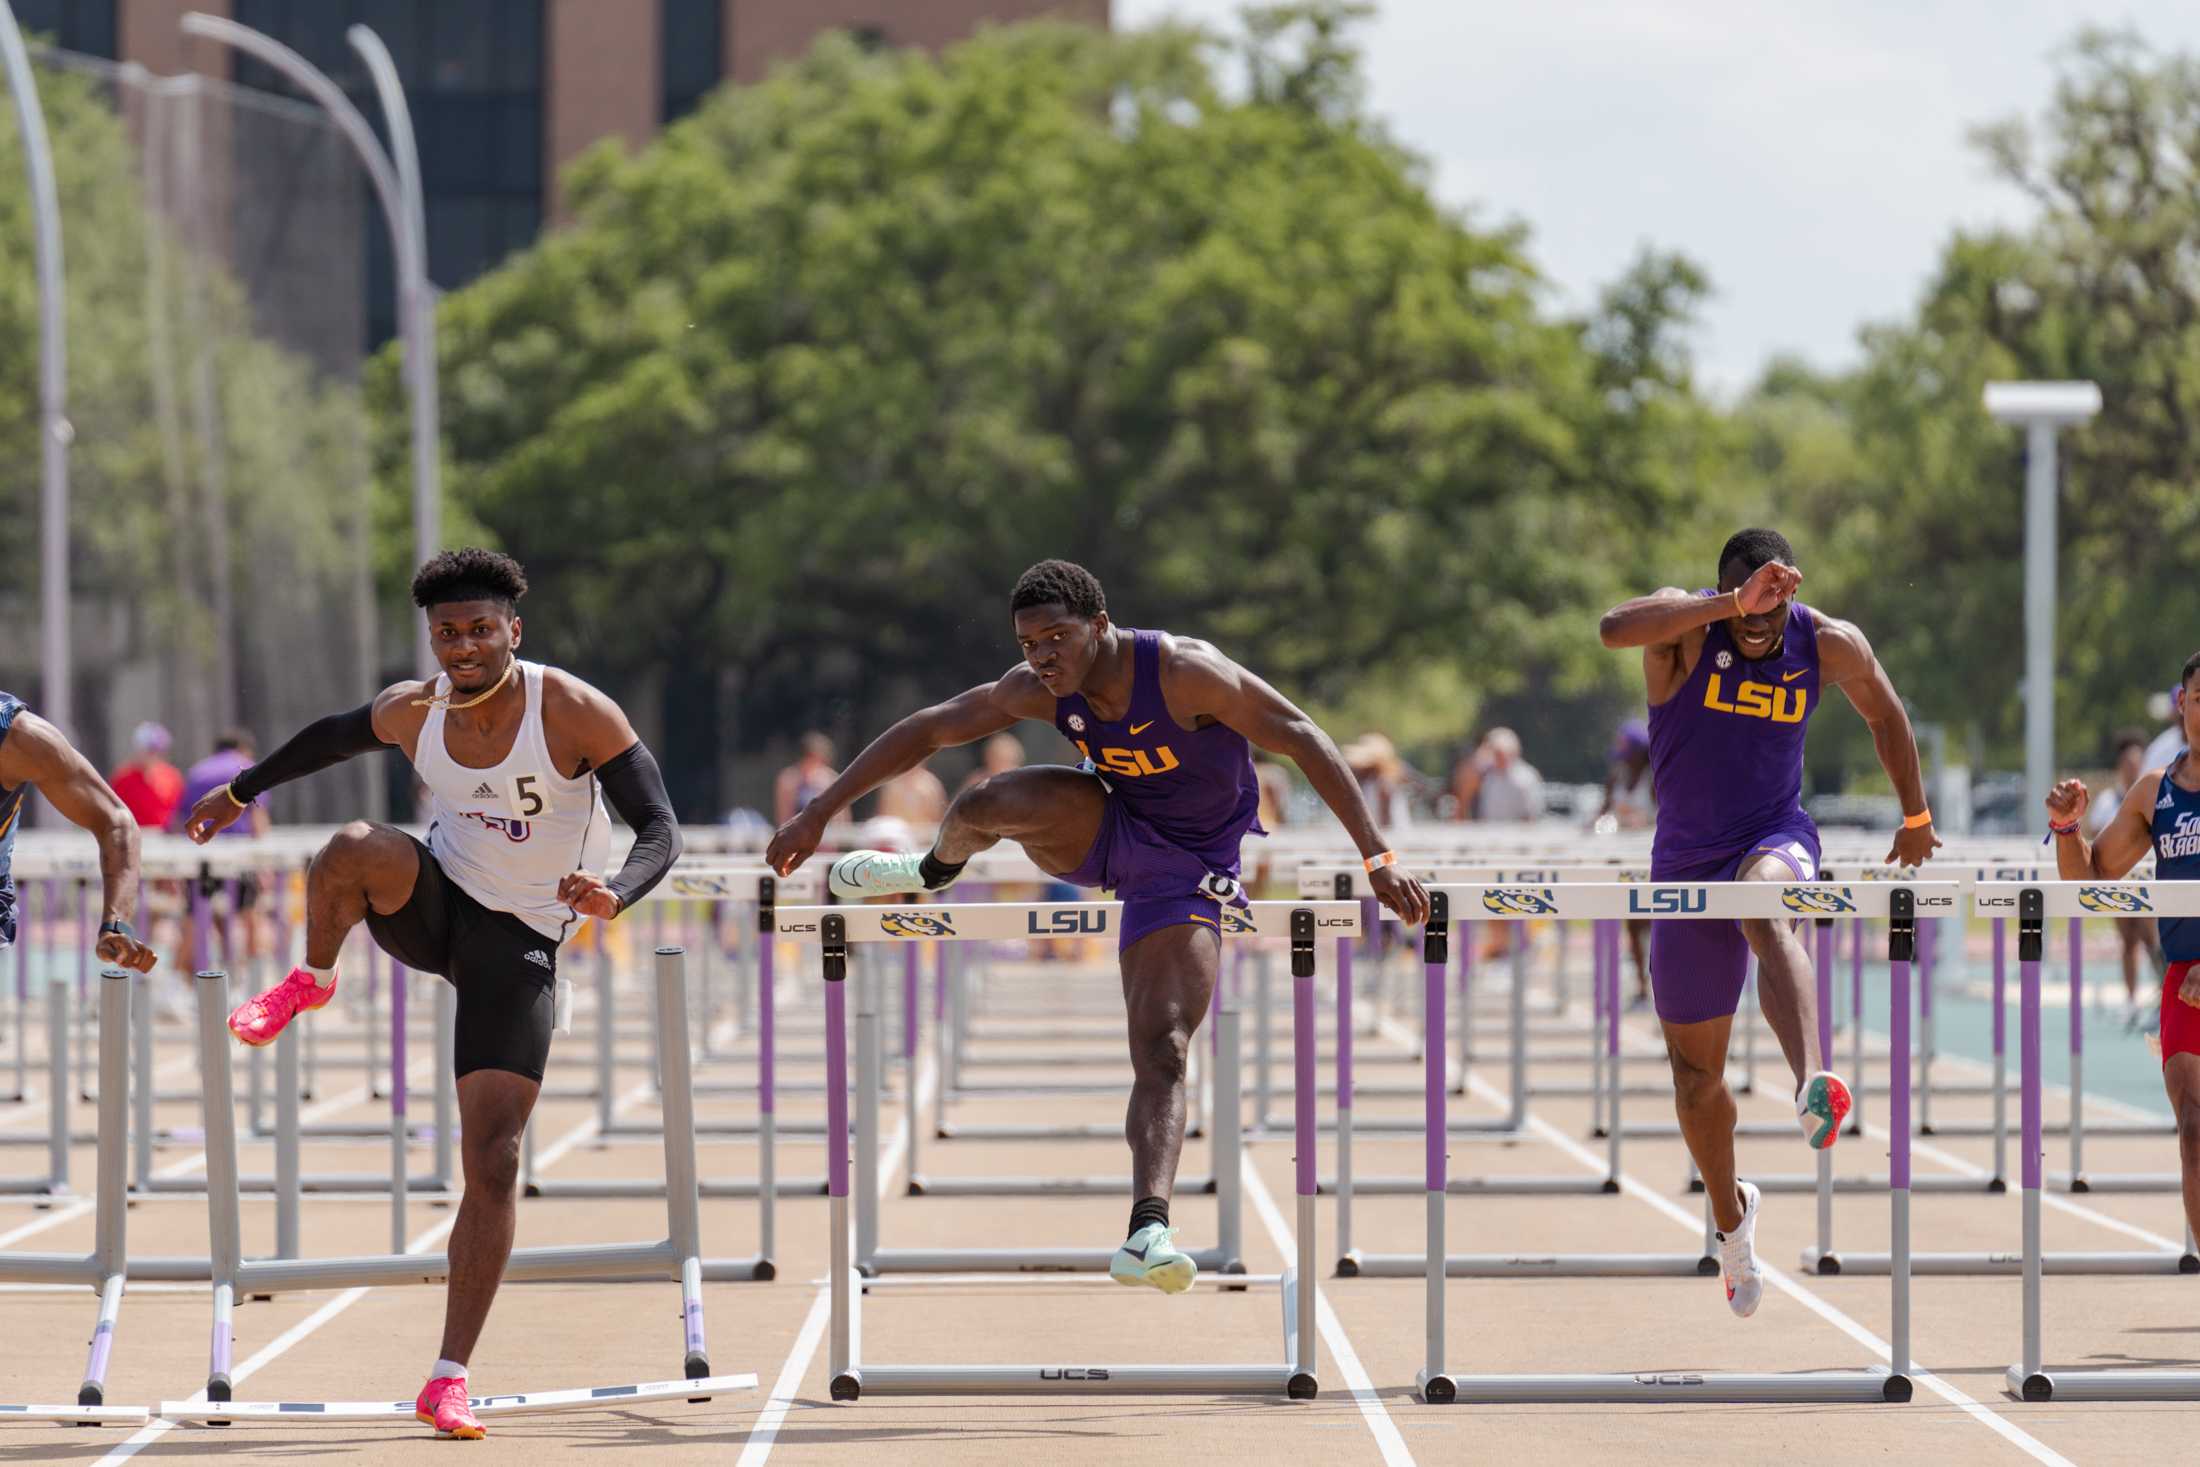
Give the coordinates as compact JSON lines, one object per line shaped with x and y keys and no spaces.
{"x":504,"y":93}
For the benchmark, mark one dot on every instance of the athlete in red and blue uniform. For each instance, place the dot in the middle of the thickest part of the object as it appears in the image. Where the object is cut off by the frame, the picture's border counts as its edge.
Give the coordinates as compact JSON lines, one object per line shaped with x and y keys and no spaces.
{"x":1155,"y":812}
{"x":2160,"y":814}
{"x":1733,"y":678}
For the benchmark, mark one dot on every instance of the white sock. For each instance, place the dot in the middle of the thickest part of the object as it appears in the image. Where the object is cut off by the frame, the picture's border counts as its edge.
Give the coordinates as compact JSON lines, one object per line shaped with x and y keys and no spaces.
{"x":447,"y":1370}
{"x":325,"y":977}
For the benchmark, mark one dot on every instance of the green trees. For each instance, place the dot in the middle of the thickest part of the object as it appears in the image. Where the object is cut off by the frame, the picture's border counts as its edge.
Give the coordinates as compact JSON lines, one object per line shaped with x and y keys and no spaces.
{"x":779,"y":418}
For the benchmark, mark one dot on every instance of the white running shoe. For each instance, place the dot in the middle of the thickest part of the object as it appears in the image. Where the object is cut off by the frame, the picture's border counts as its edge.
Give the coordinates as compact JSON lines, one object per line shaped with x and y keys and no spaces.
{"x":880,"y":873}
{"x":1745,"y":1284}
{"x":1150,"y":1257}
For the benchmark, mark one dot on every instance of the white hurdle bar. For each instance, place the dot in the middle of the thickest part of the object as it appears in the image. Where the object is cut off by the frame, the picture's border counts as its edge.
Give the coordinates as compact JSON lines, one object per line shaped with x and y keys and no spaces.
{"x":2034,"y":905}
{"x":1899,"y":906}
{"x":678,"y":1256}
{"x":833,"y":929}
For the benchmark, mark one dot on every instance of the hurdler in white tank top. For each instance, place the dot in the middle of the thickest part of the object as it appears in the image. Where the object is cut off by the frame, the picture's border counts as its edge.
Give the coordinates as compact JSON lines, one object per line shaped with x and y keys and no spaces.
{"x":510,"y":834}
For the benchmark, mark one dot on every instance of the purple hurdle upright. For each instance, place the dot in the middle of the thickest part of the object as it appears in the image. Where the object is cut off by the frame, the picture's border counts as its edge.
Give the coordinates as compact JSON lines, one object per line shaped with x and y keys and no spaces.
{"x":833,"y":930}
{"x":2077,"y":1056}
{"x":1344,"y":1102}
{"x":2026,"y":1379}
{"x":1433,"y":1384}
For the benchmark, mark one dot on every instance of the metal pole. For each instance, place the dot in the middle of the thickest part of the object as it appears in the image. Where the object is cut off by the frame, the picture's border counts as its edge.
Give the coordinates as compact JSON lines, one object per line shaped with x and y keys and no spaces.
{"x":416,"y":306}
{"x":53,"y":385}
{"x":2039,"y":611}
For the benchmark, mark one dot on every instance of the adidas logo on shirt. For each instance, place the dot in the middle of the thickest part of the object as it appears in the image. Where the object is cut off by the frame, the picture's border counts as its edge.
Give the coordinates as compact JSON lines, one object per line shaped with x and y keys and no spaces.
{"x":2169,"y":797}
{"x":483,"y":792}
{"x":539,"y":958}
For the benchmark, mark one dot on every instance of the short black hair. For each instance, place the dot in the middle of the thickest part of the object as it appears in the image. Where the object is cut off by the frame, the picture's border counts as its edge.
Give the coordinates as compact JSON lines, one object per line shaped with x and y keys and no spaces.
{"x":235,"y":741}
{"x":2130,"y":738}
{"x":470,"y":573}
{"x":2192,"y":665}
{"x":1059,"y":583}
{"x":1753,"y":549}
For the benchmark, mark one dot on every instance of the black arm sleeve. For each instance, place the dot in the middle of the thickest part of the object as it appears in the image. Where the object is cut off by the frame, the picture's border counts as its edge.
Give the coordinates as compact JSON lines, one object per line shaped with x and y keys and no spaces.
{"x":330,"y":740}
{"x":635,"y":786}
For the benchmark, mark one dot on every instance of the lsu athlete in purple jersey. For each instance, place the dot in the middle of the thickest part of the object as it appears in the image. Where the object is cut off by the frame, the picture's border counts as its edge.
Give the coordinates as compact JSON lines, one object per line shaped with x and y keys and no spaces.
{"x":1155,"y":811}
{"x":2159,"y":816}
{"x":34,"y":754}
{"x":1733,"y":677}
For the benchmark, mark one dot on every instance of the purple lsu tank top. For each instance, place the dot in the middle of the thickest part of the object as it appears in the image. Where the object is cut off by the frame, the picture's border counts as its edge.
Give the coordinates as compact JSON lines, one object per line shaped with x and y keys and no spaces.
{"x":1726,"y":751}
{"x":1194,"y":786}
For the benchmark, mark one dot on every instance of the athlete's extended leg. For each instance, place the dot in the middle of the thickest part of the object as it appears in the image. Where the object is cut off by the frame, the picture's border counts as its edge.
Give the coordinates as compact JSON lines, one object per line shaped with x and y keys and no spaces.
{"x":1053,"y":812}
{"x":493,"y":1106}
{"x":1697,"y":1053}
{"x":1168,"y":982}
{"x":363,"y":865}
{"x":1787,"y":989}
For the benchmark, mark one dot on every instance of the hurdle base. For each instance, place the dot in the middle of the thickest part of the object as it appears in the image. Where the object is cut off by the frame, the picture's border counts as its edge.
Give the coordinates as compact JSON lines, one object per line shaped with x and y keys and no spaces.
{"x":2010,"y":1265}
{"x":1525,"y":1265}
{"x":1436,"y":1388}
{"x":923,"y":1186}
{"x":77,"y":1415}
{"x":1876,"y":1385}
{"x":2117,"y":1182}
{"x":2104,"y":1385}
{"x":1072,"y":1380}
{"x":1019,"y":1260}
{"x":533,"y":1403}
{"x":1792,"y":1182}
{"x":1576,"y":1185}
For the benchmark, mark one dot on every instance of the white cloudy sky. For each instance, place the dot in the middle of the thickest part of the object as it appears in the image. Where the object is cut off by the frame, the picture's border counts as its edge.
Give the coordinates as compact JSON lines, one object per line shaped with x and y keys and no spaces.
{"x":1812,"y":156}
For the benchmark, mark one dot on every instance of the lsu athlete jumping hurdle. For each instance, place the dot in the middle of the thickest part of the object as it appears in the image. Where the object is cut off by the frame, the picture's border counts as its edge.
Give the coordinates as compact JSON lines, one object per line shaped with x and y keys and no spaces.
{"x":1899,"y":907}
{"x":833,"y":929}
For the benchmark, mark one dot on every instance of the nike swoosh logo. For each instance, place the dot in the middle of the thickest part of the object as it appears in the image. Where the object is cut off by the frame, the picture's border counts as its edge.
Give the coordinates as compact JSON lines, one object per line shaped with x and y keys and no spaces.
{"x":1789,"y":677}
{"x":1137,"y":1253}
{"x":1139,"y":728}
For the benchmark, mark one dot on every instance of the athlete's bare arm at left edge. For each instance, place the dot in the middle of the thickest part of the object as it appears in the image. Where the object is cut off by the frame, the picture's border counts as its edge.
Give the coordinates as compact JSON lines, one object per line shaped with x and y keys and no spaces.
{"x":35,"y":753}
{"x":1199,"y":682}
{"x":1846,"y":661}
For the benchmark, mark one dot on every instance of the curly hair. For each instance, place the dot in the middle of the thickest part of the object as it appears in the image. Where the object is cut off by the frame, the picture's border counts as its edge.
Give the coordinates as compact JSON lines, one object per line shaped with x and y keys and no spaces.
{"x":469,"y":574}
{"x":1059,"y":583}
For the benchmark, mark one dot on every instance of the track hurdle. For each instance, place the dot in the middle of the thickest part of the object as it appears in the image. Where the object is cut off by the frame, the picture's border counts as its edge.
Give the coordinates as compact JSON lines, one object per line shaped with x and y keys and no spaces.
{"x":1722,"y":901}
{"x":2034,"y":905}
{"x":833,"y":929}
{"x":105,"y":1267}
{"x":678,"y":1256}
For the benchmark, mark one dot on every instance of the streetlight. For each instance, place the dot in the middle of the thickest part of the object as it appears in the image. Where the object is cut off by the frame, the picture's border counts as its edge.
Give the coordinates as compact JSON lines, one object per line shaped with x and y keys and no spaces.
{"x":2042,"y":409}
{"x":54,"y":432}
{"x":403,"y":208}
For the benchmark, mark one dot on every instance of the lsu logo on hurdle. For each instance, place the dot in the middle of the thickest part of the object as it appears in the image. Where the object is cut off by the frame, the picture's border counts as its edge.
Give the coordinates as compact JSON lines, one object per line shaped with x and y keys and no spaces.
{"x":1066,"y":922}
{"x":1817,"y":901}
{"x":1668,"y":900}
{"x":2115,"y":900}
{"x":1519,"y":902}
{"x":702,"y":886}
{"x":917,"y":924}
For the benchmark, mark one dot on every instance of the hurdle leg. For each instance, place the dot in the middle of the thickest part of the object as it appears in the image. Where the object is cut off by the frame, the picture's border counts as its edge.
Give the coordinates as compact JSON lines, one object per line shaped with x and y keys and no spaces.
{"x":1434,"y":1385}
{"x":1828,"y":1261}
{"x":2026,"y":1379}
{"x":1226,"y":1143}
{"x":57,"y":1084}
{"x":446,"y":1084}
{"x":1898,"y":1129}
{"x":141,"y":1078}
{"x":286,"y":1142}
{"x":1347,"y":1265}
{"x":1300,"y":1284}
{"x":2001,"y":1059}
{"x":1517,"y":1113}
{"x":224,"y":1232}
{"x":1614,"y":937}
{"x":683,"y":1205}
{"x":1263,"y":1037}
{"x":867,"y":1106}
{"x":398,"y":1123}
{"x":843,"y":1367}
{"x":767,"y":1096}
{"x":110,"y":1249}
{"x":2077,"y":1055}
{"x":1856,"y":1027}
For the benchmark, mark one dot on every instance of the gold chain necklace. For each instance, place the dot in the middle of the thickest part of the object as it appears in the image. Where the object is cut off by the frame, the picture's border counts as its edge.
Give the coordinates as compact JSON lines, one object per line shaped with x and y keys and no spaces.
{"x":444,"y":700}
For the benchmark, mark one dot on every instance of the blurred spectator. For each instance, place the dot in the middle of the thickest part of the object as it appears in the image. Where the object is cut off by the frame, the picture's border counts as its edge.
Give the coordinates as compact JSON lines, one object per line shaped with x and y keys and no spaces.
{"x":1385,"y":782}
{"x":915,"y":797}
{"x":234,"y":753}
{"x":2135,"y":937}
{"x":1003,"y":752}
{"x":806,"y":778}
{"x":148,"y":783}
{"x":1631,"y":804}
{"x":1507,"y":786}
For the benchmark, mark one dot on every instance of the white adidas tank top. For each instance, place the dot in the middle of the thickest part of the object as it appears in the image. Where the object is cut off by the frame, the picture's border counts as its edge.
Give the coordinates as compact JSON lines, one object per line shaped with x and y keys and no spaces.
{"x":510,"y":834}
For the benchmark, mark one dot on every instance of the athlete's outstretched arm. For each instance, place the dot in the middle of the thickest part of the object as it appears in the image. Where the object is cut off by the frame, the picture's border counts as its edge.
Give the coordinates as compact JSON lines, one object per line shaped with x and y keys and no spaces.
{"x":979,"y":713}
{"x":1203,"y":682}
{"x":1846,"y":661}
{"x":315,"y":747}
{"x":2130,"y":834}
{"x":33,"y":752}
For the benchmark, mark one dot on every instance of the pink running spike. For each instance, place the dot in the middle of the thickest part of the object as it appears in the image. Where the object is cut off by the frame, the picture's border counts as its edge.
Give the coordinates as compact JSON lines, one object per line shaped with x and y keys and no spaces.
{"x":258,"y":1020}
{"x":444,"y":1406}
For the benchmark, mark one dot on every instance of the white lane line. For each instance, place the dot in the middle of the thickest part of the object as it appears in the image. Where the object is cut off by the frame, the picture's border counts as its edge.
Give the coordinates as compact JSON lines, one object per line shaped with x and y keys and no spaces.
{"x":1364,"y":1396}
{"x":2030,"y":1445}
{"x":306,"y":1327}
{"x":789,"y":1385}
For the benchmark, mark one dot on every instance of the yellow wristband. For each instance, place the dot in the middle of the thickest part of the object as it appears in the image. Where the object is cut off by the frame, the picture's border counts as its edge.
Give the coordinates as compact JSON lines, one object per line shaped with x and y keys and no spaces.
{"x":1918,"y":821}
{"x":1379,"y":860}
{"x":233,"y":798}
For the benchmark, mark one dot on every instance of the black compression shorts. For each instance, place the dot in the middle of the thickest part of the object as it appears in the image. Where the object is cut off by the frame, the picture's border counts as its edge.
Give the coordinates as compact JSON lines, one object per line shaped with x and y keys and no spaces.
{"x":504,"y":970}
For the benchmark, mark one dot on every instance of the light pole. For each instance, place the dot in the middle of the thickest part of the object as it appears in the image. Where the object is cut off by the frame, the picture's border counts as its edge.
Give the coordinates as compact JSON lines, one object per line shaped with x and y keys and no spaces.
{"x":398,"y":189}
{"x":53,"y":385}
{"x":2042,"y":409}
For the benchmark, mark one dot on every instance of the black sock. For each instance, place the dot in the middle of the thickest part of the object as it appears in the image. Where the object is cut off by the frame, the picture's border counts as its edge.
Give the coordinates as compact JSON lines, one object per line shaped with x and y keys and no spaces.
{"x":936,"y":873}
{"x":1149,"y":1210}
